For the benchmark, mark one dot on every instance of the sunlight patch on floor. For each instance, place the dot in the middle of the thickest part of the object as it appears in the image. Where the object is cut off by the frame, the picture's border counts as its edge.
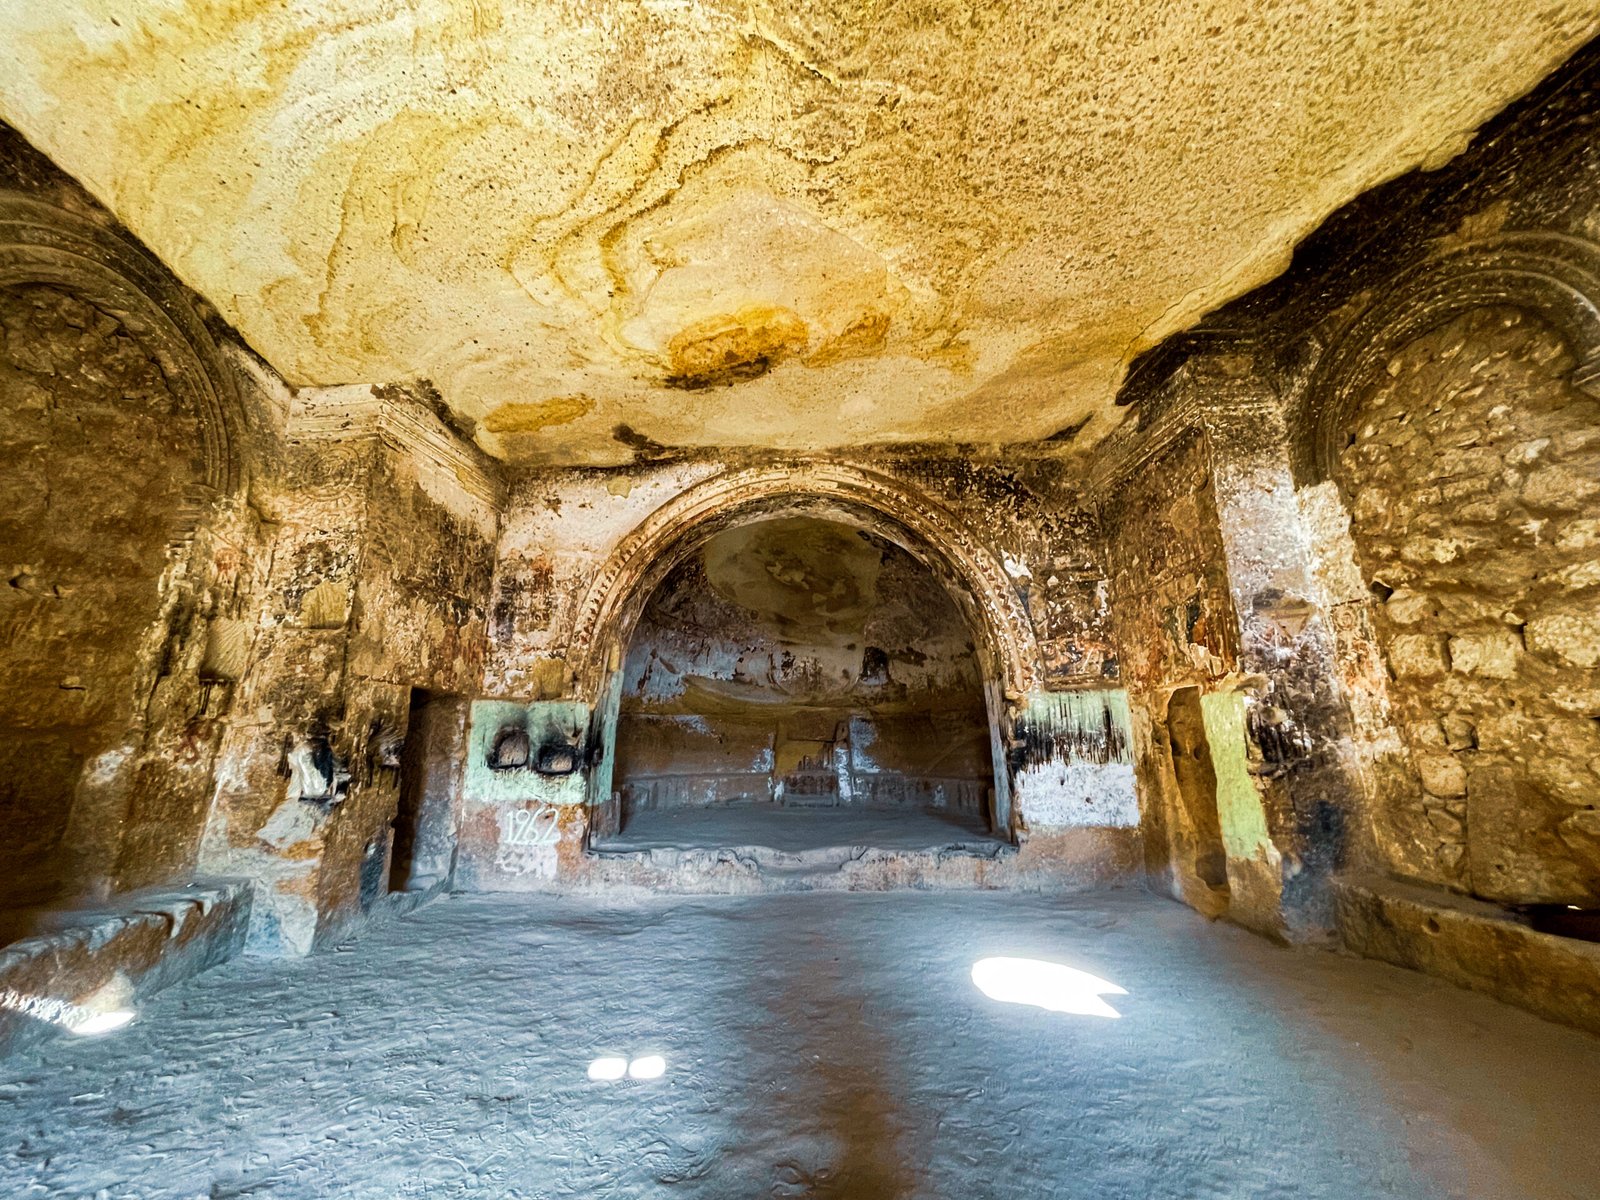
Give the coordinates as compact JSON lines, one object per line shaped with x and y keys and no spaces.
{"x":1051,"y":986}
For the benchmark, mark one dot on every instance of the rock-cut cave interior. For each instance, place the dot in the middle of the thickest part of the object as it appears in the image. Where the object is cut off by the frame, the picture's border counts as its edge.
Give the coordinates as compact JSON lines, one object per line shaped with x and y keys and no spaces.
{"x":724,"y":599}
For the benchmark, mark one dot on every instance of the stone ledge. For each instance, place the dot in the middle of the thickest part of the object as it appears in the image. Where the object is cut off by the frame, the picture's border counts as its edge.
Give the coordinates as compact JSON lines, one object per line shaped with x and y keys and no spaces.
{"x":1059,"y":861}
{"x":1473,"y":945}
{"x":138,"y":944}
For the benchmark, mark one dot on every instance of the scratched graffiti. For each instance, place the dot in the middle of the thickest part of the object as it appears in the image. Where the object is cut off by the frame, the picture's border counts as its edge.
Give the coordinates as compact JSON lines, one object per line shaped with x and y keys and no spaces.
{"x":528,"y":841}
{"x":531,"y":827}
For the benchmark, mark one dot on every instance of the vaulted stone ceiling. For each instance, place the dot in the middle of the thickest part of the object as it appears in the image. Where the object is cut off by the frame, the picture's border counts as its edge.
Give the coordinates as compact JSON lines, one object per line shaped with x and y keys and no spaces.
{"x":714,"y":222}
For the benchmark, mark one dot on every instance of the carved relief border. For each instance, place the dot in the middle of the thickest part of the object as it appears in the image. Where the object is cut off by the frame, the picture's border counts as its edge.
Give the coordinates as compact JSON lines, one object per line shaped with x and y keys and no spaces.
{"x":978,"y":581}
{"x":43,"y":244}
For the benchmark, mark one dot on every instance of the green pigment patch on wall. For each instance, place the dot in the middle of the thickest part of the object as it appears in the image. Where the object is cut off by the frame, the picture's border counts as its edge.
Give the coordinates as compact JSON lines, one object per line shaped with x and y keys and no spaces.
{"x":1078,"y":727}
{"x":547,"y":724}
{"x":1244,"y":821}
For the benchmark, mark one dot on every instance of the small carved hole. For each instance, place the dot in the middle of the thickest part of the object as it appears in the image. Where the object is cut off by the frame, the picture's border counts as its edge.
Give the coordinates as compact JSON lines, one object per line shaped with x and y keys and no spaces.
{"x":556,"y":760}
{"x":511,"y":749}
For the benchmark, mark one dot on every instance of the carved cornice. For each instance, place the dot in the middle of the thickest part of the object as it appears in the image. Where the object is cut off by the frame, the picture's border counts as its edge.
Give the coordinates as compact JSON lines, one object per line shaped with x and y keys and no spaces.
{"x":412,"y":428}
{"x":1134,"y":447}
{"x":1221,"y":383}
{"x":400,"y":421}
{"x":43,"y":244}
{"x":974,"y":574}
{"x":1552,"y":275}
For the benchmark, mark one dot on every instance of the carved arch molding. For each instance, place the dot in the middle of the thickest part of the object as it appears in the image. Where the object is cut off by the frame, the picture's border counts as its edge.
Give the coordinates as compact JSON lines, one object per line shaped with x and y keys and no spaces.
{"x":972,"y":574}
{"x":43,"y":244}
{"x":1554,"y":276}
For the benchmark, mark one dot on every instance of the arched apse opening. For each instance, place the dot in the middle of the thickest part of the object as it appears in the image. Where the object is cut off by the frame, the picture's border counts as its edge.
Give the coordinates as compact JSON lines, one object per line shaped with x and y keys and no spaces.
{"x":1553,"y":276}
{"x":1003,"y":642}
{"x":799,"y":682}
{"x":120,"y":427}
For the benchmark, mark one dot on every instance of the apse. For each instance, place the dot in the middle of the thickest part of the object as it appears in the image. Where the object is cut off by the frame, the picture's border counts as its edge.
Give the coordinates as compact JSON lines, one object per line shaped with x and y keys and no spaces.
{"x":798,"y":682}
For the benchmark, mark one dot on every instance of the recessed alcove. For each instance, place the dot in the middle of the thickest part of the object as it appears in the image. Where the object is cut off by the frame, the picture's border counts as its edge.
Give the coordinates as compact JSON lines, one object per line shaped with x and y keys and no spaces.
{"x":799,"y":684}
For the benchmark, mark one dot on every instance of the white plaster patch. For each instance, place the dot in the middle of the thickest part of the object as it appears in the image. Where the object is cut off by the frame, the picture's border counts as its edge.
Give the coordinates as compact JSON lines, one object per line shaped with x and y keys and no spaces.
{"x":1075,"y":795}
{"x":296,"y":921}
{"x":104,"y":767}
{"x":1332,"y":548}
{"x":290,"y":824}
{"x":1017,"y":570}
{"x":501,"y":788}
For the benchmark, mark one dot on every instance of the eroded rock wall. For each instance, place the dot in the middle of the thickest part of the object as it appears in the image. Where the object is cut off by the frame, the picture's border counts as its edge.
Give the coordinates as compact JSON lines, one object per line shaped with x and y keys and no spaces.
{"x":133,"y":555}
{"x":1401,"y":438}
{"x":221,"y":591}
{"x":101,"y":459}
{"x":560,"y":528}
{"x":381,"y":563}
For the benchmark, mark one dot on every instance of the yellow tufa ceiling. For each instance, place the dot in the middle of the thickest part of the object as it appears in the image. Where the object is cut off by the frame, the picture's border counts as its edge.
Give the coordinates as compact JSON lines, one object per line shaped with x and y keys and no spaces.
{"x":796,"y":225}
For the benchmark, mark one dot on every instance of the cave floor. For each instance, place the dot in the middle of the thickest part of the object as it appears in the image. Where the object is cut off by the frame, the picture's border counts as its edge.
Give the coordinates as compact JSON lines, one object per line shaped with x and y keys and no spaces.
{"x":815,"y":1045}
{"x":811,"y":832}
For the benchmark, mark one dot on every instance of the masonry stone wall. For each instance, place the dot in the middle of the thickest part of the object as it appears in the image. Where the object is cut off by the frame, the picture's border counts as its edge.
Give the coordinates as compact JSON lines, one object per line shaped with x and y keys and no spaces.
{"x":1472,"y":476}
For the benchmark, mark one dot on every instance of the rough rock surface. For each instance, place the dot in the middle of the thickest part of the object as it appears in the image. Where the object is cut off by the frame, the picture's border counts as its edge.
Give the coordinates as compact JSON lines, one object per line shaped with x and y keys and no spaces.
{"x":80,"y":963}
{"x":1470,"y":476}
{"x":1474,"y":945}
{"x":814,"y":1046}
{"x":904,"y":222}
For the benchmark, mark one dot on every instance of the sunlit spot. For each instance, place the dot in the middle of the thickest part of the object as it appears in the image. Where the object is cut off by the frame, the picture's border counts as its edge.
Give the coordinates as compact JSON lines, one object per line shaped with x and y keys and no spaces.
{"x":99,"y":1015}
{"x":651,"y":1066}
{"x":101,"y":1022}
{"x":608,"y":1068}
{"x":1046,"y":985}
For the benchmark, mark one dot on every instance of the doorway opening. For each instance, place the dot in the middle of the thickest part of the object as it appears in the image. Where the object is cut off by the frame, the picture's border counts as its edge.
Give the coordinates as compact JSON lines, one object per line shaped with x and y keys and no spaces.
{"x":802,"y":685}
{"x":1197,"y":788}
{"x":430,"y":766}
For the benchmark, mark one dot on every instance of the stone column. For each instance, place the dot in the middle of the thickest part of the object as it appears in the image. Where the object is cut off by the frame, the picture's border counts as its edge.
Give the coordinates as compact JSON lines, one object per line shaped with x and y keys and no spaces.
{"x":285,"y":765}
{"x":1289,"y":693}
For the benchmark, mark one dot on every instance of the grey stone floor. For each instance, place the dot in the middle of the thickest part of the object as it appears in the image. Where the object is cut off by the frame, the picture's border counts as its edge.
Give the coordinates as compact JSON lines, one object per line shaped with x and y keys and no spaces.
{"x":814,"y":1045}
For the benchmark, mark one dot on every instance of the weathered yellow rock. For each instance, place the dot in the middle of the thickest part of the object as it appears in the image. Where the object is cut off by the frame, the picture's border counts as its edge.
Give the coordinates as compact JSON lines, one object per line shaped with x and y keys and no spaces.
{"x":973,"y":216}
{"x":740,"y":345}
{"x":518,"y":417}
